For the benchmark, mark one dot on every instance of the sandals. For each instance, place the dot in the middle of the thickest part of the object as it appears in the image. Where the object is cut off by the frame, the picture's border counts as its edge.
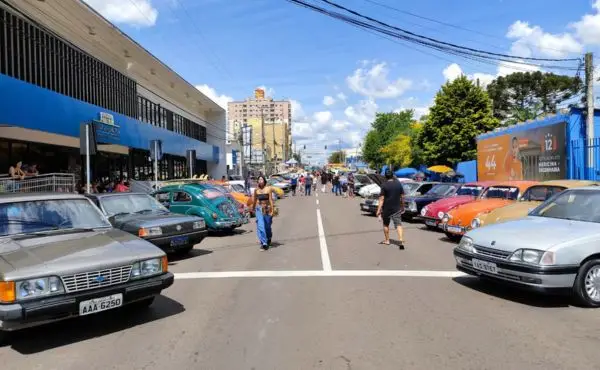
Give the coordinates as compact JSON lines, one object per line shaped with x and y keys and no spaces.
{"x":384,"y":242}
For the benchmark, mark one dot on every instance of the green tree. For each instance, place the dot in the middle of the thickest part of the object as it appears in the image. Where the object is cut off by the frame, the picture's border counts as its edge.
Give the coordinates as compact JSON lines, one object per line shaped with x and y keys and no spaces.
{"x":530,"y":94}
{"x":336,"y":157}
{"x":461,"y":111}
{"x":383,"y":130}
{"x":398,"y":152}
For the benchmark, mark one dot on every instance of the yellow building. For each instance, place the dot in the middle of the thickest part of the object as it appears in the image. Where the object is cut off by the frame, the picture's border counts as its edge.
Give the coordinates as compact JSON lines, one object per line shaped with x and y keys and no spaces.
{"x":277,"y":139}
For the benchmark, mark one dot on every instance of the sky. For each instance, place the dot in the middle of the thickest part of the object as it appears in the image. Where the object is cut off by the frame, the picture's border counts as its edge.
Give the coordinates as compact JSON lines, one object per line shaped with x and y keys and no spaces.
{"x":338,"y":76}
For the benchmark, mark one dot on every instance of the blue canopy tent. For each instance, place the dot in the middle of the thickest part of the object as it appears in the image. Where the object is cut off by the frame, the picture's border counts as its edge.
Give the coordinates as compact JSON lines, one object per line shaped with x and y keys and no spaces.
{"x":405,"y":172}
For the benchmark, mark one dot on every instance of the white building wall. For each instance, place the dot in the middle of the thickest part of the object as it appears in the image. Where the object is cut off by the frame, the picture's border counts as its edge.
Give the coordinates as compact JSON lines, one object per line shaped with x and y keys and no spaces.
{"x":216,"y":136}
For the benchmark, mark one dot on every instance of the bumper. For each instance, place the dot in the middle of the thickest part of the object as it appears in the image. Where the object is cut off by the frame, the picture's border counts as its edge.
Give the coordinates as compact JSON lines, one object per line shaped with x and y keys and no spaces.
{"x":429,"y":221}
{"x":165,"y":242}
{"x":541,"y":279}
{"x":368,"y":208}
{"x":456,"y":230}
{"x":38,"y":312}
{"x":223,"y":225}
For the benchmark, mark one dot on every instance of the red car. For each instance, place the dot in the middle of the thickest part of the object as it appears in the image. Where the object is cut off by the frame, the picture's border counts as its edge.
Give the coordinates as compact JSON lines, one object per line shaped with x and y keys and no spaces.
{"x":432,"y":213}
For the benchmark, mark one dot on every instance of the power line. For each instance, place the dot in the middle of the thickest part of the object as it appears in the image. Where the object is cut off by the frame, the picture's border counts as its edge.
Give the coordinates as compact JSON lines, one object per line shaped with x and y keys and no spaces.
{"x":448,"y":48}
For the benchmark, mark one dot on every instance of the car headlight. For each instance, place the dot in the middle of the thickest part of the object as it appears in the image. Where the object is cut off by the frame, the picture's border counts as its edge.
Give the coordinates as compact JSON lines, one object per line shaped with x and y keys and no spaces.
{"x":445,"y":218}
{"x":412,"y":205}
{"x":198,"y":224}
{"x":424,"y":211}
{"x":440,"y":215}
{"x":35,"y":288}
{"x":149,"y":267}
{"x":475,"y":223}
{"x":466,"y":244}
{"x":533,"y":256}
{"x":149,"y":231}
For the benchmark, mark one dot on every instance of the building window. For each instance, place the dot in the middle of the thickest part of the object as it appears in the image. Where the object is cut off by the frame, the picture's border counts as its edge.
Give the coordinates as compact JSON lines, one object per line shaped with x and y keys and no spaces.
{"x":31,"y":54}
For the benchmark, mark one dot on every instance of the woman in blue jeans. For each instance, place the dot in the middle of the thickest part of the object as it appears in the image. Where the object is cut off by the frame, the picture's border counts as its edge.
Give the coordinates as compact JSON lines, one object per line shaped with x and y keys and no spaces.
{"x":263,"y":206}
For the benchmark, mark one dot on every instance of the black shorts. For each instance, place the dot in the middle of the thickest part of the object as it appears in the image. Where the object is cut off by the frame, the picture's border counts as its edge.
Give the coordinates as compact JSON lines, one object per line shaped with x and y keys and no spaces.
{"x":387,"y":217}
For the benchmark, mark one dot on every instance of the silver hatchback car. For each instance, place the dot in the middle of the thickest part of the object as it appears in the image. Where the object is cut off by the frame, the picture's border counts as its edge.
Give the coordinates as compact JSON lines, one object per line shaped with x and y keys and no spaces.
{"x":556,"y":248}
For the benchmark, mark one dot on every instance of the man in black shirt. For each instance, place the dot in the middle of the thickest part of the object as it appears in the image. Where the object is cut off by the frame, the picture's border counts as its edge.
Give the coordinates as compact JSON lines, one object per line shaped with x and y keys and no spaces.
{"x":391,"y":207}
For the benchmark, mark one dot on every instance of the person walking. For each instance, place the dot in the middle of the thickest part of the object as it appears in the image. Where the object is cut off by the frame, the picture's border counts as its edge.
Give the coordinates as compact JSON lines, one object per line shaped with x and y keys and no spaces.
{"x":351,"y":184}
{"x":324,"y":180}
{"x":263,"y":207}
{"x":390,"y":208}
{"x":308,"y":181}
{"x":294,"y":184}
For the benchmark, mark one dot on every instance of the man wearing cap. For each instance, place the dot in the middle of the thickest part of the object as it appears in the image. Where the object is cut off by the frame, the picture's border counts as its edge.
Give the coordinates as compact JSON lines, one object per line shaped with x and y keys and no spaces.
{"x":390,"y":207}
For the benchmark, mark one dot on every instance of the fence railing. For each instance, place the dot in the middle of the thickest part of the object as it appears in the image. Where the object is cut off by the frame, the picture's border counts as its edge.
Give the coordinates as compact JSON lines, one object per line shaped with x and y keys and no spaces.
{"x":580,"y":151}
{"x":51,"y":182}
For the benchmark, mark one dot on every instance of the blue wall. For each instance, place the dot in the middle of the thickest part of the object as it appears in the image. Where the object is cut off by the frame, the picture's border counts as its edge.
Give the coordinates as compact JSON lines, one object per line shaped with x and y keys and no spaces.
{"x":468,"y":169}
{"x":29,"y":106}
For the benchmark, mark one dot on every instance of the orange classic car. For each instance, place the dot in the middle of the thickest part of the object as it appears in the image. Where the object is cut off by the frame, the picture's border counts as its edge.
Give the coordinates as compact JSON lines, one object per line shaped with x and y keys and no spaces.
{"x":458,"y":220}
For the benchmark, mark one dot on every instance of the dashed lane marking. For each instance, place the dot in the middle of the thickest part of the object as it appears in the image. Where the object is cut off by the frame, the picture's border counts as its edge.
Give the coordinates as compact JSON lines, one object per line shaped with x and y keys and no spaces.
{"x":318,"y":273}
{"x":317,"y":202}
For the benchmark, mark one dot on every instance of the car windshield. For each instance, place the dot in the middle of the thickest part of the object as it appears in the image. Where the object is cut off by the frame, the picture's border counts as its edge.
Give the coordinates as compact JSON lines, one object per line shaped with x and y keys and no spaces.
{"x":131,"y":203}
{"x":363,"y":179}
{"x":46,"y":215}
{"x":220,"y":188}
{"x":442,"y":189}
{"x":410,"y":187}
{"x":541,"y":193}
{"x":575,"y":205}
{"x":212,"y":194}
{"x":502,"y":192}
{"x":238,"y":188}
{"x":472,"y":190}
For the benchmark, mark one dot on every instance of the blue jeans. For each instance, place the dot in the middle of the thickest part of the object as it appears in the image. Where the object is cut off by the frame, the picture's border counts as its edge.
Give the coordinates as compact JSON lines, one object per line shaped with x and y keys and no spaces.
{"x":263,"y":226}
{"x":307,"y":189}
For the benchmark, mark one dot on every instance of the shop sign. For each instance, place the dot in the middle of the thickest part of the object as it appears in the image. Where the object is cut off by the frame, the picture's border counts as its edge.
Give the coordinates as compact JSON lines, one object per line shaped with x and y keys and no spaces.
{"x":106,"y":129}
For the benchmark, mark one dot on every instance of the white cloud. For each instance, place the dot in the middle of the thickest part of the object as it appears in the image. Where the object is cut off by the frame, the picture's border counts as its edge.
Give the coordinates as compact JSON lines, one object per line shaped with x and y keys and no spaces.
{"x":298,"y":114}
{"x":413,"y":103}
{"x":588,"y":28}
{"x":339,"y":125}
{"x":139,"y":13}
{"x":323,"y":117}
{"x":452,"y":72}
{"x":363,"y":113}
{"x":374,"y":82}
{"x":328,"y":100}
{"x":341,"y":96}
{"x":222,"y":100}
{"x":532,"y":40}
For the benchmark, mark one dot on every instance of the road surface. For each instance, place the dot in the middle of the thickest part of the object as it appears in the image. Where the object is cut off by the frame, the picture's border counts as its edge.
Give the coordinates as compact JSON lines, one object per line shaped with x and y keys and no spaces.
{"x":326,"y":297}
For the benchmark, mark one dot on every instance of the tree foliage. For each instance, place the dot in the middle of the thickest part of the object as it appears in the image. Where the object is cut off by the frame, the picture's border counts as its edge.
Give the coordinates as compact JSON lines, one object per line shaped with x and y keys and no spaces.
{"x":530,"y":94}
{"x":336,"y":157}
{"x":399,"y":151}
{"x":461,"y":111}
{"x":385,"y":128}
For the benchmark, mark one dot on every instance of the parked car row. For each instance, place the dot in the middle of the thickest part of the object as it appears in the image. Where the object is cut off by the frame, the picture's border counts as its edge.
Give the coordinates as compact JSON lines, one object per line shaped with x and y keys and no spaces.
{"x":542,"y":236}
{"x":66,"y":255}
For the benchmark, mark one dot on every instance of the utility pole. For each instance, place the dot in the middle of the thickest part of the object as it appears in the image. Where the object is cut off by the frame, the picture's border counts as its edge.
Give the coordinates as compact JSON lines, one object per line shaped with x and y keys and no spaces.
{"x":589,"y":102}
{"x":241,"y":133}
{"x":274,"y":145}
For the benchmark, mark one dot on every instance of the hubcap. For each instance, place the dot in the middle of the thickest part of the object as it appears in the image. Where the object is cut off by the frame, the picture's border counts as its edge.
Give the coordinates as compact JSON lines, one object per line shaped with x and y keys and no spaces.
{"x":592,"y":283}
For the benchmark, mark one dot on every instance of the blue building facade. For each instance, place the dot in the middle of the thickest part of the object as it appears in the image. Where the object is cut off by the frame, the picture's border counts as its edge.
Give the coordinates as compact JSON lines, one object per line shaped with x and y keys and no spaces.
{"x":49,"y":88}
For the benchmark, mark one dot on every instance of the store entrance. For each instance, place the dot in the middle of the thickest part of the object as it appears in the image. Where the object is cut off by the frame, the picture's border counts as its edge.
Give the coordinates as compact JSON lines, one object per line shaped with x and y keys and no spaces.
{"x":108,"y":167}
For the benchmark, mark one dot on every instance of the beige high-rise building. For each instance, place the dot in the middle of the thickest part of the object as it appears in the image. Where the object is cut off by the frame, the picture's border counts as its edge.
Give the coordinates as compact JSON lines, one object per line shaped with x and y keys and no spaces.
{"x":277,"y":118}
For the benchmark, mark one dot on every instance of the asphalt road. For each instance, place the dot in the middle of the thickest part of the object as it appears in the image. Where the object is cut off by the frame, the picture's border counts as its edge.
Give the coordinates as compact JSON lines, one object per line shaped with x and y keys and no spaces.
{"x":234,"y":307}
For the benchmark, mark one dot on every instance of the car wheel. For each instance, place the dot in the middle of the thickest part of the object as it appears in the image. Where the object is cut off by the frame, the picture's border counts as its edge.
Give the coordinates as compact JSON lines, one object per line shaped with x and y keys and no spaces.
{"x":144,"y":303}
{"x":453,"y":237}
{"x":4,"y":338}
{"x":587,"y":283}
{"x":185,"y":250}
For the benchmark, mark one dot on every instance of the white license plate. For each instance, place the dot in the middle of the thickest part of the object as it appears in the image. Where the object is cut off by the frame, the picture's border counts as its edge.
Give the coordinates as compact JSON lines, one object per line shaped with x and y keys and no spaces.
{"x":454,"y":229}
{"x":430,"y":223}
{"x":100,"y":304}
{"x":485,"y":266}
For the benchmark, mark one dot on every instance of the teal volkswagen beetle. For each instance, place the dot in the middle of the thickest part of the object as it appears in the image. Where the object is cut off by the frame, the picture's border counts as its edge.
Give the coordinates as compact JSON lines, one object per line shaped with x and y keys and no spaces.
{"x":219,"y":213}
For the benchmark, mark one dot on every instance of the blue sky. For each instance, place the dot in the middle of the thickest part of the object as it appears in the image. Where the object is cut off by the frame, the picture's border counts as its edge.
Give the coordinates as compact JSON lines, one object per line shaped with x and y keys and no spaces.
{"x":336,"y":75}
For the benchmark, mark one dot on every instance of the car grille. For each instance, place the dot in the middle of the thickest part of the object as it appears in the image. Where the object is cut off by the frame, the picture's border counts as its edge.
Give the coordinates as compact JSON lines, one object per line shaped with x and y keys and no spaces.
{"x":184,"y":227}
{"x":227,"y":209}
{"x":96,"y":279}
{"x":494,"y":253}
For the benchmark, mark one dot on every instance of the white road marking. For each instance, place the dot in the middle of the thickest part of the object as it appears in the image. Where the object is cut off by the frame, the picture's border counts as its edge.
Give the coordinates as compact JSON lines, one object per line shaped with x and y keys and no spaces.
{"x":317,"y":195}
{"x":323,"y":243}
{"x":318,"y":273}
{"x":317,"y":202}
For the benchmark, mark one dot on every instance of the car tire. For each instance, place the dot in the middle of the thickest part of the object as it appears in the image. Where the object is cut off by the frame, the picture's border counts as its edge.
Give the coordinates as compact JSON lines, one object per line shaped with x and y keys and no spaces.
{"x":580,"y":290}
{"x":453,"y":237}
{"x":4,"y":338}
{"x":185,"y":250}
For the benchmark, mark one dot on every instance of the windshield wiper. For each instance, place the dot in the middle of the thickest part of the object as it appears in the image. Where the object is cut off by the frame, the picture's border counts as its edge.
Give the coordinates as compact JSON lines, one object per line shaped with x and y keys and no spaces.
{"x":144,"y":211}
{"x":120,"y":214}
